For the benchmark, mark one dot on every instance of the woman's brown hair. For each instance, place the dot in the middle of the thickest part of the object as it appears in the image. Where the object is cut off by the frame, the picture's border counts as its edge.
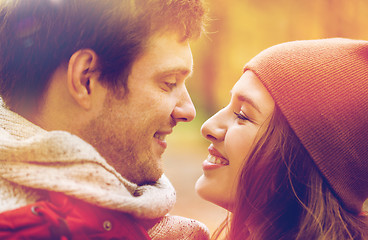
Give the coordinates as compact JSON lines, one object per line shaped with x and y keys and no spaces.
{"x":282,"y":195}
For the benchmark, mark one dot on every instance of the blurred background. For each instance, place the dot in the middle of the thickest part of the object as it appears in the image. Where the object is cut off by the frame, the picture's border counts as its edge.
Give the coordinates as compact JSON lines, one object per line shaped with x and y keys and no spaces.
{"x":239,"y":30}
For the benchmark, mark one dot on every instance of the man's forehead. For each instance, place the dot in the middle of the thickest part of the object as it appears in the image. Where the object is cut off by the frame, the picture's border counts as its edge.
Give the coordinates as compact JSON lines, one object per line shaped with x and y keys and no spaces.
{"x":165,"y":55}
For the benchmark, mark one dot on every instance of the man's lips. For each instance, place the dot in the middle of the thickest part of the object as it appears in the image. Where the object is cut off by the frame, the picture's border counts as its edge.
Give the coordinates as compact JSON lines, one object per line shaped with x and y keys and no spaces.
{"x":160,"y":137}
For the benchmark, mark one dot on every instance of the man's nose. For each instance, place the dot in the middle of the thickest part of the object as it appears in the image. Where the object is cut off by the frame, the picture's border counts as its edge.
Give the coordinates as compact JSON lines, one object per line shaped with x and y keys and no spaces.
{"x":184,"y":111}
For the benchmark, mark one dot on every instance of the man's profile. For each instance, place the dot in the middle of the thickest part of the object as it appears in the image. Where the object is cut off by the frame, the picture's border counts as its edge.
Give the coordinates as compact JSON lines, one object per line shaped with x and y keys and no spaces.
{"x":90,"y":90}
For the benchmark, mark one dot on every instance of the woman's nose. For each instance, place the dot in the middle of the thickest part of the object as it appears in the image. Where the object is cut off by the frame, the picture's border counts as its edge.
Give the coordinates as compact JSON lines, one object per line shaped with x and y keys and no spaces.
{"x":214,"y":129}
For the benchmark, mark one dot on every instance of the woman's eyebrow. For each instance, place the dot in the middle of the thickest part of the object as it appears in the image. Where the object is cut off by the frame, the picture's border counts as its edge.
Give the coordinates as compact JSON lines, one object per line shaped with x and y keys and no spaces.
{"x":244,"y":98}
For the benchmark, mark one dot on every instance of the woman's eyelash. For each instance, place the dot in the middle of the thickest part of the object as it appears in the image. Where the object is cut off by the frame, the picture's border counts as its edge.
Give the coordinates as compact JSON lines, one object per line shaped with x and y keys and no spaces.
{"x":241,"y":116}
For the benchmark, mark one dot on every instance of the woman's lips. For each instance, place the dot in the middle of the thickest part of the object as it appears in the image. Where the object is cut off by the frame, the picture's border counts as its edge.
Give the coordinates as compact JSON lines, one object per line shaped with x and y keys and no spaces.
{"x":214,"y":160}
{"x":218,"y":156}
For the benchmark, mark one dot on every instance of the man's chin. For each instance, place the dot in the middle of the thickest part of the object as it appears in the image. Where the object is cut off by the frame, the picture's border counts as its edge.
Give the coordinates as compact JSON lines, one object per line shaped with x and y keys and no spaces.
{"x":150,"y":180}
{"x":147,"y":177}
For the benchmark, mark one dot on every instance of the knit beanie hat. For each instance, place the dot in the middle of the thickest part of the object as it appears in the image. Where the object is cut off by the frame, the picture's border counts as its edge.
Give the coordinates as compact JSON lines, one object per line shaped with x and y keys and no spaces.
{"x":321,"y":87}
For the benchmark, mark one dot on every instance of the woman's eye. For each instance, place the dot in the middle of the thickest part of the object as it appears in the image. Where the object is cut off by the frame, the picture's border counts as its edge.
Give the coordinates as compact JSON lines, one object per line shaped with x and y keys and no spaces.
{"x":241,"y":116}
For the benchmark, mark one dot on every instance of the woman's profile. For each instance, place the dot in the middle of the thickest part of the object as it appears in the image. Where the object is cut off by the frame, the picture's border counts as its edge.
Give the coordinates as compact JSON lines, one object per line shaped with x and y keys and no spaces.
{"x":289,"y":154}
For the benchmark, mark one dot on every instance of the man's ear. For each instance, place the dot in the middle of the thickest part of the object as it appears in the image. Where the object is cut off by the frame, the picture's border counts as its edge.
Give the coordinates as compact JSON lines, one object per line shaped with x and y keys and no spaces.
{"x":83,"y":76}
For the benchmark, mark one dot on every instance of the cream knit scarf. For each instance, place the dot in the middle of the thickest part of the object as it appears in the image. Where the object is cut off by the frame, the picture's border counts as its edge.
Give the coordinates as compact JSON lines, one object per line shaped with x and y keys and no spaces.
{"x":33,"y":160}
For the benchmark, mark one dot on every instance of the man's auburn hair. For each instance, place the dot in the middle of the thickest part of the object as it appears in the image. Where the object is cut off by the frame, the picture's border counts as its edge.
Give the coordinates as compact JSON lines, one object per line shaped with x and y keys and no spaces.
{"x":38,"y":36}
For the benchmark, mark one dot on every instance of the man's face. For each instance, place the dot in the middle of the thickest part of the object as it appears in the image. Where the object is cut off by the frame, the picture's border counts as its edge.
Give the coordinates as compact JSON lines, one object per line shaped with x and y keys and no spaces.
{"x":130,"y":132}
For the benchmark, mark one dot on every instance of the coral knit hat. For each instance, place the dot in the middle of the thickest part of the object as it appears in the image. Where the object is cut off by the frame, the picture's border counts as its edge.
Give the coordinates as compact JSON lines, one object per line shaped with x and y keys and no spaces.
{"x":321,"y":87}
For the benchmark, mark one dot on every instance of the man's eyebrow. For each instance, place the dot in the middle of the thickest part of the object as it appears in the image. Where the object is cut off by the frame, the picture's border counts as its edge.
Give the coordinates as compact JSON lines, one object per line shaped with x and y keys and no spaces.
{"x":170,"y":71}
{"x":244,"y":98}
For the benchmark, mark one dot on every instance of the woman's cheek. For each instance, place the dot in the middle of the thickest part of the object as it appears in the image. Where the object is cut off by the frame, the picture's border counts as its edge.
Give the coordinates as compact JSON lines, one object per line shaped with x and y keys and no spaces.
{"x":238,"y":143}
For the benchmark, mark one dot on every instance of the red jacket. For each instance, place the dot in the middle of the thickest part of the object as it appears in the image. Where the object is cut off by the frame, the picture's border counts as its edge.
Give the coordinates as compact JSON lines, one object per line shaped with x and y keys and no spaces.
{"x":64,"y":218}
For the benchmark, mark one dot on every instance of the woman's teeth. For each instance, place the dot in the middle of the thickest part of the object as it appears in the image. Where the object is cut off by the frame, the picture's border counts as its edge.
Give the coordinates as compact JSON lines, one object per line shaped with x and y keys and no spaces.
{"x":217,"y":160}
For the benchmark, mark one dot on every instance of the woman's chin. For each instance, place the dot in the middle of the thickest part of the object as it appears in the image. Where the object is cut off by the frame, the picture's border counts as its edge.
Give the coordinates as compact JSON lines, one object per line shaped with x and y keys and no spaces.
{"x":212,"y":194}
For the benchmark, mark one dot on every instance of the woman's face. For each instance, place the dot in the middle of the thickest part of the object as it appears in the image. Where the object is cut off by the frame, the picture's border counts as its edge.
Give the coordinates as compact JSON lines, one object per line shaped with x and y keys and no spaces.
{"x":232,"y":131}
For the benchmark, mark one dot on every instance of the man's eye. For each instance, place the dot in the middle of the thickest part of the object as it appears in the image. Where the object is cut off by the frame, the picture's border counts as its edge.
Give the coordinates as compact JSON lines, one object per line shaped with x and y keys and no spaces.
{"x":241,"y":116}
{"x":170,"y":85}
